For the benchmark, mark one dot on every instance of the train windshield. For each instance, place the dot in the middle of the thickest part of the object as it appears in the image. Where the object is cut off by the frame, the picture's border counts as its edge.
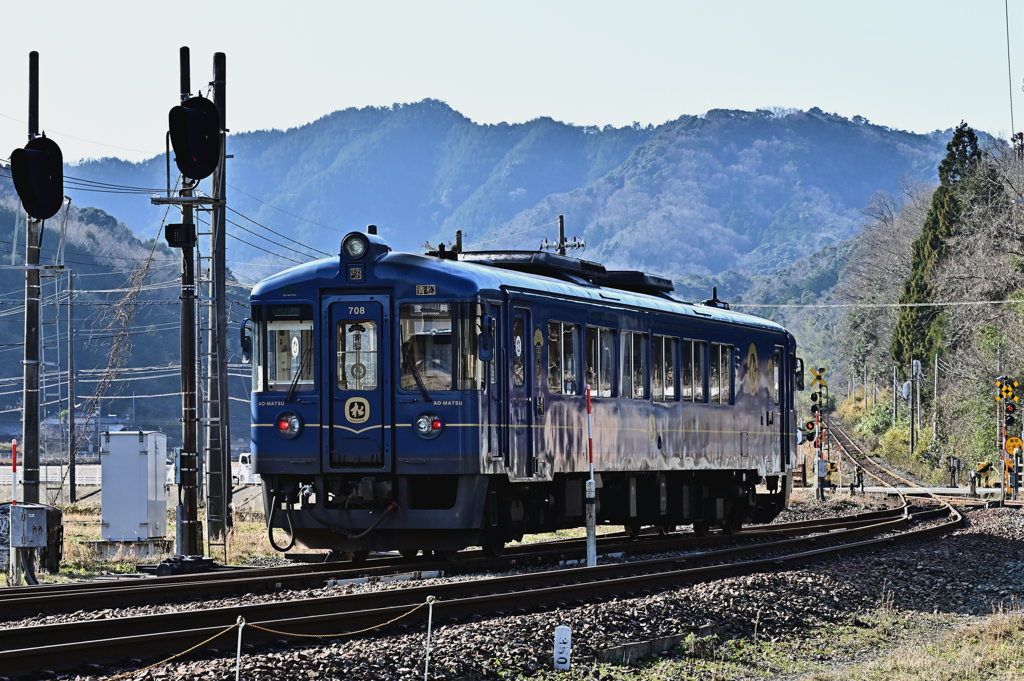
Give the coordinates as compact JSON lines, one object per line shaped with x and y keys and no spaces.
{"x":439,"y":346}
{"x":290,"y":348}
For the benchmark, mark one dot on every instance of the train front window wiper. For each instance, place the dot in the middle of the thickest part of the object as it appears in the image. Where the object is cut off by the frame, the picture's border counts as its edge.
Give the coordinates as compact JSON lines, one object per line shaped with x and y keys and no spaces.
{"x":414,"y":371}
{"x":295,"y":381}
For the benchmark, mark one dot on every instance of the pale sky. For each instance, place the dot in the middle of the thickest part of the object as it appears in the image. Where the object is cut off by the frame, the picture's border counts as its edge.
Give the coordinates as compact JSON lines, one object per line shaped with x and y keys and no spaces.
{"x":109,"y":70}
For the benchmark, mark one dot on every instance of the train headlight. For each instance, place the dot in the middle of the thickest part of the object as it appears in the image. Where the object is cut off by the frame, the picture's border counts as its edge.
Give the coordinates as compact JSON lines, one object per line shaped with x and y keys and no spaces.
{"x":288,"y":425}
{"x":354,"y":246}
{"x":428,"y":426}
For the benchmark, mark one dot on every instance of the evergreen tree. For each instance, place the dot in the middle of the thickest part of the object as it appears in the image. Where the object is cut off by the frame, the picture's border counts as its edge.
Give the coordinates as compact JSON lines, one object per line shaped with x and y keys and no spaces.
{"x":918,"y":332}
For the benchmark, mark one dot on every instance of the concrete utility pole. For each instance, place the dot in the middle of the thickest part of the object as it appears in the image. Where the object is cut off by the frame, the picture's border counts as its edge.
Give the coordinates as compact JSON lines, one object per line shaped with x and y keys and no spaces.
{"x":30,"y":387}
{"x":218,"y":438}
{"x":71,"y":386}
{"x":935,"y":399}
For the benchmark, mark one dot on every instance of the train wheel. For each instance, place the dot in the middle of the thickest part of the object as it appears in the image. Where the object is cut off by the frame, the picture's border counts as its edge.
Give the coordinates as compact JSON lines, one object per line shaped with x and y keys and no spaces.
{"x":409,"y":554}
{"x":732,"y":525}
{"x":700,"y":528}
{"x":632,"y":530}
{"x":359,"y":557}
{"x":449,"y":556}
{"x":493,"y":548}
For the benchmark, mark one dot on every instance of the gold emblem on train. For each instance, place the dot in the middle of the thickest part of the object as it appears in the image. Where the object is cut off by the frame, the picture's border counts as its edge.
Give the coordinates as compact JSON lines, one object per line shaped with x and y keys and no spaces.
{"x":753,"y":379}
{"x":357,"y":410}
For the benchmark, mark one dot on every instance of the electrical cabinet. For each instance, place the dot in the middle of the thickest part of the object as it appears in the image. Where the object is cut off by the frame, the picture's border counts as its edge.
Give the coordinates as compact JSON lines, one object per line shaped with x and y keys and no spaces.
{"x":134,"y":470}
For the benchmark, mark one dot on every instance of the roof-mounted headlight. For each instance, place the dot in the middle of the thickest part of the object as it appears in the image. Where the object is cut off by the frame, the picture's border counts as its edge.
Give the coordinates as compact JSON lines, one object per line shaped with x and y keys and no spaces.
{"x":354,"y":246}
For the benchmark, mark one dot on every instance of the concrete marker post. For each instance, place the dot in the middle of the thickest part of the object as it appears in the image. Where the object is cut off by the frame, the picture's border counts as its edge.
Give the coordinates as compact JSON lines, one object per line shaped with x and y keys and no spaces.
{"x":563,"y":647}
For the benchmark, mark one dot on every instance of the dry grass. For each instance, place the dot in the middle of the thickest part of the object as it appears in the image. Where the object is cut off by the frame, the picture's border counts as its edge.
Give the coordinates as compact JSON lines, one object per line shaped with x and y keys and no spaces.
{"x":990,"y":648}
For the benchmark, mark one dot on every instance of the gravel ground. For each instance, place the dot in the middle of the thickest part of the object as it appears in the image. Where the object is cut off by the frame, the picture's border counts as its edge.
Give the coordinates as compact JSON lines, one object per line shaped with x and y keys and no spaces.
{"x":967,"y":572}
{"x":833,"y":508}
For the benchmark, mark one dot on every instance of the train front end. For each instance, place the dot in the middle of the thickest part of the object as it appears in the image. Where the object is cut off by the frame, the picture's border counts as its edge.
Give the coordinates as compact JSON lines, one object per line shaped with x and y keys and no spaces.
{"x":363,"y":381}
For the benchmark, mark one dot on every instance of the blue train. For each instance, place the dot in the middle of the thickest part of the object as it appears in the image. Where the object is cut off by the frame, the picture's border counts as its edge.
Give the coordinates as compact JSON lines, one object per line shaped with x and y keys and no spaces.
{"x":438,"y":401}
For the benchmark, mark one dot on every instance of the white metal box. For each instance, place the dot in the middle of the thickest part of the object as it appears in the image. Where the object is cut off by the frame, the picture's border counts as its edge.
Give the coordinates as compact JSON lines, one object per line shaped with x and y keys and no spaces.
{"x":134,"y":470}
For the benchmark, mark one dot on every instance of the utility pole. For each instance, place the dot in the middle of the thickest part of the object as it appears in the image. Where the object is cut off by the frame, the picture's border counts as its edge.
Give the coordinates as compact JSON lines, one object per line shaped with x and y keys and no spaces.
{"x":71,"y":386}
{"x":188,"y":544}
{"x":195,"y":132}
{"x":935,"y":399}
{"x":895,"y":404}
{"x":218,"y":438}
{"x":30,"y":387}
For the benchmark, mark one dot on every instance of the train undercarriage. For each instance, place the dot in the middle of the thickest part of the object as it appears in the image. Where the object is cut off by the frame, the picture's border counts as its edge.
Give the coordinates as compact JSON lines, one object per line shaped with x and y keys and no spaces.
{"x":358,"y":513}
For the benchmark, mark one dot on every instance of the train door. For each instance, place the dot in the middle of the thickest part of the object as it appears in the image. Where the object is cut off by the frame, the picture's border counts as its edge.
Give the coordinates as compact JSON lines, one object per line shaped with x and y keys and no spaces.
{"x":520,"y":430}
{"x":359,"y":376}
{"x":497,"y":411}
{"x":779,"y":394}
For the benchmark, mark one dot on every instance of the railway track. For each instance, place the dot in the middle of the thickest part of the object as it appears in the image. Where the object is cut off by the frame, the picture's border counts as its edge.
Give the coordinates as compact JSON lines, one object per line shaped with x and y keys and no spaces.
{"x":74,"y":645}
{"x":51,"y":599}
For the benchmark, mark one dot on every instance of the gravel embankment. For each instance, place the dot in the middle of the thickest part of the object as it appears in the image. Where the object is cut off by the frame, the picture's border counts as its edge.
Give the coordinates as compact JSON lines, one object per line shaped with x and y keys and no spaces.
{"x":834,"y":508}
{"x":966,"y":572}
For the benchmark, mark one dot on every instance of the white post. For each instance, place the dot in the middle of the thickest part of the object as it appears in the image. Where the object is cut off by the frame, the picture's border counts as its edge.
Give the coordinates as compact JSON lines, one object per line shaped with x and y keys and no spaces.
{"x":591,"y":496}
{"x":14,"y":472}
{"x":430,"y":622}
{"x":238,"y":656}
{"x":563,"y":647}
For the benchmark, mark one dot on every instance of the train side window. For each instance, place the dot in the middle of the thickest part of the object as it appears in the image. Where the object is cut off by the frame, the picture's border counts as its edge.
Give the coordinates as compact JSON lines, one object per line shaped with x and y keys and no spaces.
{"x":663,"y":369}
{"x":470,"y":373}
{"x":686,"y":372}
{"x":725,"y":374}
{"x":563,"y":349}
{"x":258,"y":363}
{"x":715,"y":377}
{"x":600,"y":360}
{"x":721,"y":374}
{"x":290,"y":348}
{"x":774,"y":372}
{"x":357,"y":355}
{"x":555,"y":358}
{"x":700,"y":353}
{"x":634,"y":365}
{"x":626,"y":382}
{"x":518,"y":351}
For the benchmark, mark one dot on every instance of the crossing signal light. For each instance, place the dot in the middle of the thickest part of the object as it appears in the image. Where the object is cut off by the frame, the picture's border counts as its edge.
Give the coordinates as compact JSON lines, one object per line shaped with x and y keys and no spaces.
{"x":195,"y":136}
{"x":1011,"y":410}
{"x":38,"y":174}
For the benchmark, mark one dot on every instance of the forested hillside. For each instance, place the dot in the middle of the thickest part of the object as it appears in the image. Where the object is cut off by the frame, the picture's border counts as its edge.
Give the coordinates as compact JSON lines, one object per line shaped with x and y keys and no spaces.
{"x":103,"y":254}
{"x":748,"y":191}
{"x":938,"y":272}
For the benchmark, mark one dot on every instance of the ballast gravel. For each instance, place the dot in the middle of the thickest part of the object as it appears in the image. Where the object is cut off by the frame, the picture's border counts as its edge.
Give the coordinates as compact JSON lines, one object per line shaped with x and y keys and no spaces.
{"x":968,"y":571}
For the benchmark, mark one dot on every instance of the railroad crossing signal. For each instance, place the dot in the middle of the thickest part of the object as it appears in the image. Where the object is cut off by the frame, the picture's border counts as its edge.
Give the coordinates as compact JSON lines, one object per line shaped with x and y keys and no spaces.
{"x":1005,"y":390}
{"x":819,"y":377}
{"x":1011,"y":409}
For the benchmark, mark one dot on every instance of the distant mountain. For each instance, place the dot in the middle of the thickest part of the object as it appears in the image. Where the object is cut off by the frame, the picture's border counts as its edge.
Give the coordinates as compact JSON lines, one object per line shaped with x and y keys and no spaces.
{"x":695,"y":197}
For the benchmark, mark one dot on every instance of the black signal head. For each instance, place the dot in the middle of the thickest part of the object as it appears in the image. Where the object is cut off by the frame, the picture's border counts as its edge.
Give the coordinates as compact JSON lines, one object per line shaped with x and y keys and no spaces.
{"x":195,"y":136}
{"x":38,"y":174}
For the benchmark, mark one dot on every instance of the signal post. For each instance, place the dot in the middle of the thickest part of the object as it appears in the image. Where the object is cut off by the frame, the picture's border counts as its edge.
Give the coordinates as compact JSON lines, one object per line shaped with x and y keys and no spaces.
{"x":195,"y":133}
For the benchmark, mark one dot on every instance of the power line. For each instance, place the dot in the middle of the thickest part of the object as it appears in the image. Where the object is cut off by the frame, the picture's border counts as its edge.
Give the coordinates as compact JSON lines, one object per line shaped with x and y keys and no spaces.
{"x":297,"y":217}
{"x":246,"y":217}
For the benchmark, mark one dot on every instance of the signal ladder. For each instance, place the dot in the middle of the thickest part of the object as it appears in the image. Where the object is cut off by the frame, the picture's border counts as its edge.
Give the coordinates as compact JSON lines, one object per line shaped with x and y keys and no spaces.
{"x":214,"y":436}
